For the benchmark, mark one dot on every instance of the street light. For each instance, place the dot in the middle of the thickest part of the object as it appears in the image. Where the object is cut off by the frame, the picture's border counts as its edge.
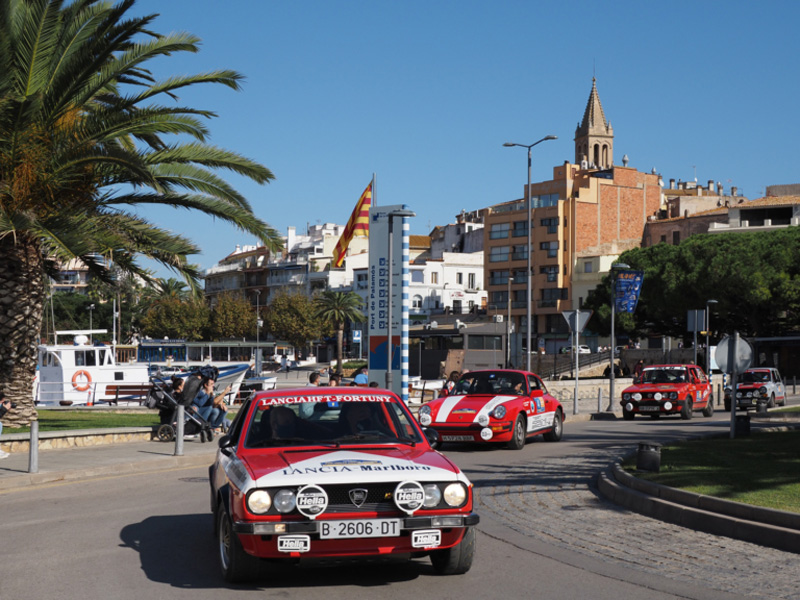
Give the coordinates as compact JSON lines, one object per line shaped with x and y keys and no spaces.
{"x":258,"y":333}
{"x":528,"y":328}
{"x":508,"y":326}
{"x":708,"y":348}
{"x":392,"y":215}
{"x":615,"y":268}
{"x":90,"y":308}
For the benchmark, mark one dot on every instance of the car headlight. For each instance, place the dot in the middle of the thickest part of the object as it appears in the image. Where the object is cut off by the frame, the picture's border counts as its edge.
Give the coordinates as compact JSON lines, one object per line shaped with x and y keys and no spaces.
{"x":763,"y":390}
{"x":425,"y":418}
{"x":626,"y":397}
{"x":425,"y":410}
{"x":673,"y":395}
{"x":285,"y":501}
{"x":499,"y":412}
{"x":483,"y":420}
{"x":259,"y":502}
{"x":657,"y":396}
{"x":455,"y":494}
{"x":433,"y":495}
{"x":637,"y":396}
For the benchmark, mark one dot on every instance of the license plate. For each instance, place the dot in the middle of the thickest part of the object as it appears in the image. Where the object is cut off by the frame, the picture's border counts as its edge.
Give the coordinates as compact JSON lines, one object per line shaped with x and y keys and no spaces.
{"x":649,"y":408}
{"x":426,"y":538}
{"x":457,"y":438}
{"x":361,"y":528}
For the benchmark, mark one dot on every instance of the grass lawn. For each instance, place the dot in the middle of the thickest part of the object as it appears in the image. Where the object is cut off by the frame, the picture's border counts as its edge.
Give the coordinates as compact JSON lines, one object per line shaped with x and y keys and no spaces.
{"x":64,"y":420}
{"x":761,"y":469}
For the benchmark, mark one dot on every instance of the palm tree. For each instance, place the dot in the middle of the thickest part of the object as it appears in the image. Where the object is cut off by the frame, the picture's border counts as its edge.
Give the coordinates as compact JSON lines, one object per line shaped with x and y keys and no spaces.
{"x":337,"y":308}
{"x":85,"y":141}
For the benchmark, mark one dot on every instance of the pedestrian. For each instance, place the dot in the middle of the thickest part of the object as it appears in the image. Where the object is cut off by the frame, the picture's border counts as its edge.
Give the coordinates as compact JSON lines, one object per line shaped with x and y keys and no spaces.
{"x":5,"y":406}
{"x":637,"y":370}
{"x":284,"y":363}
{"x":335,"y":380}
{"x":449,"y":384}
{"x":361,"y":377}
{"x":313,"y":379}
{"x":211,"y":408}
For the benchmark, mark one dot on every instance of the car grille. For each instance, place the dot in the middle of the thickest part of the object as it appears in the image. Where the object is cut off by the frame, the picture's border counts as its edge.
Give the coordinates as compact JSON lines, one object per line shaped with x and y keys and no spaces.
{"x":380,"y":498}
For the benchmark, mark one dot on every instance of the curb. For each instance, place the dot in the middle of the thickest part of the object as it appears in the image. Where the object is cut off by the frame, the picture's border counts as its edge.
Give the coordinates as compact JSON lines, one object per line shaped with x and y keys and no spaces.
{"x":767,"y":527}
{"x":124,"y":468}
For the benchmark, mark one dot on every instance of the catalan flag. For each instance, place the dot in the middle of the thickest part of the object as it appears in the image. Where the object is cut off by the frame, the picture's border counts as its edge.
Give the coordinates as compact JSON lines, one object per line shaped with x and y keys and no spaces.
{"x":357,"y":225}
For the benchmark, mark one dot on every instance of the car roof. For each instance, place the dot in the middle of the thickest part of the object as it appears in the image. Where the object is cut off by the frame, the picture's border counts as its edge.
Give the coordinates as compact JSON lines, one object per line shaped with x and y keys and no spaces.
{"x":682,"y":366}
{"x":324,"y":393}
{"x":500,"y":371}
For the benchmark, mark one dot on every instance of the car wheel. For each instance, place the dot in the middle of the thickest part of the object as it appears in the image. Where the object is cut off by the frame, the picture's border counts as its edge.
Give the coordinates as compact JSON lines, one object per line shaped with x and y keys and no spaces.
{"x":771,"y":403}
{"x":458,"y":559}
{"x":165,"y":433}
{"x":517,"y":441}
{"x":558,"y":429}
{"x":627,"y":415}
{"x":686,"y":411}
{"x":709,"y":409}
{"x":237,"y":566}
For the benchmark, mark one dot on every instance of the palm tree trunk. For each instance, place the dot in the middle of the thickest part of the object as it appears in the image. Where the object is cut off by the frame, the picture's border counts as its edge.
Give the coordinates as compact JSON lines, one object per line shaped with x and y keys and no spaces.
{"x":339,"y":348}
{"x":21,"y":302}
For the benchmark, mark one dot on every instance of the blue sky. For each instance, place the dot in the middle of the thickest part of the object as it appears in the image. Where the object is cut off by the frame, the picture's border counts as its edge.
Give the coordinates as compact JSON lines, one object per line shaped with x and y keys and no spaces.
{"x":424,"y":93}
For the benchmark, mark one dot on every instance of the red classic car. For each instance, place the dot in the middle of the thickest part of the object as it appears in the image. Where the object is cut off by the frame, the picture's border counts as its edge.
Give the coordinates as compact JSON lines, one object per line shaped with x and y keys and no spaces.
{"x":333,"y":473}
{"x":497,"y":406}
{"x":668,"y":390}
{"x":758,"y":385}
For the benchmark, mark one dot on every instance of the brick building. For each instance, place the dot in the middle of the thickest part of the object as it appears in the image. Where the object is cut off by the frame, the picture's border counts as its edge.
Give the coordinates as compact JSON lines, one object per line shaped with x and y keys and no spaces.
{"x":587,"y":214}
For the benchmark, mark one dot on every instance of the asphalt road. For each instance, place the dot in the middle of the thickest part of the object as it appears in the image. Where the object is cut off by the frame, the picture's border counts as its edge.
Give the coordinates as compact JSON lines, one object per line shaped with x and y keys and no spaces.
{"x":544,"y":533}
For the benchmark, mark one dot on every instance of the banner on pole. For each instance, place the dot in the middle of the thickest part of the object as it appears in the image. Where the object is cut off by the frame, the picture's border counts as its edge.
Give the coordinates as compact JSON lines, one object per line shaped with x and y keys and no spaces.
{"x":629,"y":286}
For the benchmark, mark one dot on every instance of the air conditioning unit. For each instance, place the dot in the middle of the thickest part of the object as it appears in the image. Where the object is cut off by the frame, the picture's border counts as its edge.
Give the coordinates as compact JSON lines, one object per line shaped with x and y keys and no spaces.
{"x":497,"y":318}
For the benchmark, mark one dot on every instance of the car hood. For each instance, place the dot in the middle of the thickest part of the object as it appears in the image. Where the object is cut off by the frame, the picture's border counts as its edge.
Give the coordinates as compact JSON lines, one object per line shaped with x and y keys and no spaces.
{"x":468,"y":408}
{"x":373,"y":464}
{"x":653,"y":387}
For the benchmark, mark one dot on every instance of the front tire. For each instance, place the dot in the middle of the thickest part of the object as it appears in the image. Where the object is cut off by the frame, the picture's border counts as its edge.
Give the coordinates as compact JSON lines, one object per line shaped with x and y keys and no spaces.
{"x":709,"y":409}
{"x":458,"y":559}
{"x":237,"y":566}
{"x":517,"y":441}
{"x":686,"y":411}
{"x":558,"y":429}
{"x":771,"y":403}
{"x":627,"y":415}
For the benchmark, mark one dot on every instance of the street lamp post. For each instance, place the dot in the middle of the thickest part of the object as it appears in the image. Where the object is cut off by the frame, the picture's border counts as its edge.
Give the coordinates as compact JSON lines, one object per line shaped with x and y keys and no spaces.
{"x":258,"y":333}
{"x":508,"y":326}
{"x":528,"y":327}
{"x":707,"y":327}
{"x":614,"y":269}
{"x":90,"y":308}
{"x":391,"y":215}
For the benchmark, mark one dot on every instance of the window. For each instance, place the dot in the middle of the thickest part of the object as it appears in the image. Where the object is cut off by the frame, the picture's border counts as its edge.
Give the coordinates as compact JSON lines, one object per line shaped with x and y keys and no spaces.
{"x":519,"y":229}
{"x":417,"y":276}
{"x":676,"y":237}
{"x":587,"y":267}
{"x":500,"y":297}
{"x":497,"y":277}
{"x":498,"y":254}
{"x":416,"y":302}
{"x":551,"y":248}
{"x":471,"y":281}
{"x":519,"y":252}
{"x":499,"y":231}
{"x":434,"y":277}
{"x":551,"y":296}
{"x":460,"y":278}
{"x":551,"y":224}
{"x":520,"y":275}
{"x":551,"y":272}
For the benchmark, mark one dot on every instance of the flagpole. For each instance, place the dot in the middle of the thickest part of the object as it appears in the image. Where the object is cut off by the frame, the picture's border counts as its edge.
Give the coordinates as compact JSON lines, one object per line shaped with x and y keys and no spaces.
{"x":374,"y":187}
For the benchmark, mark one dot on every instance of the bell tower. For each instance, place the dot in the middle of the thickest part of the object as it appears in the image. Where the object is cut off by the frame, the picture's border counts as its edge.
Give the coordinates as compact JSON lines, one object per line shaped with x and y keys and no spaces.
{"x":594,"y":136}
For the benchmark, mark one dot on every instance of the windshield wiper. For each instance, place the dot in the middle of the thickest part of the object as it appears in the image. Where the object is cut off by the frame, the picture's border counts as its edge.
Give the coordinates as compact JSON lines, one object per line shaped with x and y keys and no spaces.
{"x":407,"y":440}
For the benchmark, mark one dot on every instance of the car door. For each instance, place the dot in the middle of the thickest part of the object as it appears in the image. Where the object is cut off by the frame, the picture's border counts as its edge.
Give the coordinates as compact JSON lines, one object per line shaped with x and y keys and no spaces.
{"x":780,"y":389}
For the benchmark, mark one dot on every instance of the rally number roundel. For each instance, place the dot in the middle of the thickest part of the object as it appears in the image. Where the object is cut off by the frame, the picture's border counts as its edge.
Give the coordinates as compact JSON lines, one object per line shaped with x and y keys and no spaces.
{"x":409,"y":496}
{"x":311,"y":501}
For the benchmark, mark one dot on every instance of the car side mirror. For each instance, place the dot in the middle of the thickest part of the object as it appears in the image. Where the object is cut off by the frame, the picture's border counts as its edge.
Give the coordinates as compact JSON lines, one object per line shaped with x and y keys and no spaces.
{"x":432,"y":436}
{"x":225,"y":443}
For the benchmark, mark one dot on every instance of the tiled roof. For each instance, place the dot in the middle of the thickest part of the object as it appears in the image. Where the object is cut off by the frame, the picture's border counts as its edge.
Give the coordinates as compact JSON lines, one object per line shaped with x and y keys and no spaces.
{"x":770,"y":201}
{"x":419,"y":241}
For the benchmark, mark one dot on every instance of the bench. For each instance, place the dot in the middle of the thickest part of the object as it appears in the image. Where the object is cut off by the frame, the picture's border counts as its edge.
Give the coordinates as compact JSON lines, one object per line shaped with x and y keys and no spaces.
{"x":131,"y":391}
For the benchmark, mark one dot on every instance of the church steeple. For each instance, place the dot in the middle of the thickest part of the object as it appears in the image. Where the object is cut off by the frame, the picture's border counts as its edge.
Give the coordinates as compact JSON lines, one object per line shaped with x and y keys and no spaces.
{"x":594,"y":136}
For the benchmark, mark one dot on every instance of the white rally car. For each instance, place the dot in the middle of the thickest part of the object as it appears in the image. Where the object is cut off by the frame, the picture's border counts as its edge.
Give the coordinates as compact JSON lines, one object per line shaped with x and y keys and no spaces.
{"x":335,"y":472}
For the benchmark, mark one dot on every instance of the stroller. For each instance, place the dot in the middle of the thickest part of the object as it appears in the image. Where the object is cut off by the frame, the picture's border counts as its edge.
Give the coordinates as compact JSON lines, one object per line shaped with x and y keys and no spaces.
{"x":161,"y":398}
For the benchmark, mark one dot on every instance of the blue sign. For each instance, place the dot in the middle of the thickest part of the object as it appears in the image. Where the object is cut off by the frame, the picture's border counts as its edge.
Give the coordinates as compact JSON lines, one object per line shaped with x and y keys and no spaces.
{"x":356,"y":335}
{"x":629,"y":286}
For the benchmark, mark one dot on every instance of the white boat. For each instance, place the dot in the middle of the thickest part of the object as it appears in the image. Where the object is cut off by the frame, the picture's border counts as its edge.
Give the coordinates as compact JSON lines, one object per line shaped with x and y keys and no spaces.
{"x":83,"y":374}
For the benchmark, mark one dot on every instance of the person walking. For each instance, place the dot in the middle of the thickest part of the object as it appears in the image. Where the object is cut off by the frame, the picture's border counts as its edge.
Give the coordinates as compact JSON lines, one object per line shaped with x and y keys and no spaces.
{"x":5,"y":406}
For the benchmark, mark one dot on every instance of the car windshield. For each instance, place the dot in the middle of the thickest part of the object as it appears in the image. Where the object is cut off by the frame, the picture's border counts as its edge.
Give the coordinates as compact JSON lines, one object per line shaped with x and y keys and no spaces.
{"x":491,"y":382}
{"x":664,"y":375}
{"x":755,"y":376}
{"x":329,"y":420}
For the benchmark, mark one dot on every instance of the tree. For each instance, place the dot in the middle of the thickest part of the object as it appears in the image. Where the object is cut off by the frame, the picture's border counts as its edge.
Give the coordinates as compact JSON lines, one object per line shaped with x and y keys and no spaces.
{"x":175,"y":319}
{"x":336,"y":309}
{"x":86,"y":139}
{"x":755,"y":277}
{"x":292,"y":317}
{"x":232,"y":317}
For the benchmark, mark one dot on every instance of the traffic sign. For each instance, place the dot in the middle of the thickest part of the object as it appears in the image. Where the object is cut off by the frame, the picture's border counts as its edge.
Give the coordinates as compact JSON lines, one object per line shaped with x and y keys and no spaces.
{"x":582,"y":317}
{"x":742,"y":360}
